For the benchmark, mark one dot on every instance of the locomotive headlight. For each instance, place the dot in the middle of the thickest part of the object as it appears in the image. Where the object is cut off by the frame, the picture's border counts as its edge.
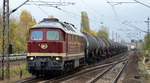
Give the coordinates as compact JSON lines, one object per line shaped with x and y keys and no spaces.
{"x":57,"y":58}
{"x":31,"y":58}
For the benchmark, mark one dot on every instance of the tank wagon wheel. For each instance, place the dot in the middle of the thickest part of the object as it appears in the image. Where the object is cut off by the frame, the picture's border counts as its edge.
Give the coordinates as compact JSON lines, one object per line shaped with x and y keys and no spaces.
{"x":100,"y":55}
{"x":104,"y":53}
{"x":86,"y":53}
{"x":109,"y":54}
{"x":93,"y":55}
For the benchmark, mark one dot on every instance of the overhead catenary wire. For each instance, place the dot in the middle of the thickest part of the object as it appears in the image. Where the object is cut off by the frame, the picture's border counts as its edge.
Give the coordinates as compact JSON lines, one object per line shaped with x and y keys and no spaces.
{"x":56,"y":5}
{"x":75,"y":16}
{"x":18,"y":7}
{"x":135,"y":1}
{"x":115,"y":12}
{"x":89,"y":8}
{"x":68,"y":12}
{"x":133,"y":26}
{"x":43,"y":11}
{"x":44,"y":3}
{"x":127,"y":24}
{"x":119,"y":3}
{"x":86,"y":6}
{"x":142,"y":3}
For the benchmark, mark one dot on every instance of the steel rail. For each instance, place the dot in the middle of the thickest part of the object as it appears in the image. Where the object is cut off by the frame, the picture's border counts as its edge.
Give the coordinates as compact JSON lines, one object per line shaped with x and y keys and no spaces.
{"x":57,"y":80}
{"x":26,"y":80}
{"x":103,"y":73}
{"x":120,"y":72}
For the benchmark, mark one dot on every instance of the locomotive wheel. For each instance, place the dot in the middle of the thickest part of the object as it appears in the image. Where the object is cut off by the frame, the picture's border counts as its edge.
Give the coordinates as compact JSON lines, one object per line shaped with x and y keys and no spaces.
{"x":37,"y":74}
{"x":67,"y":66}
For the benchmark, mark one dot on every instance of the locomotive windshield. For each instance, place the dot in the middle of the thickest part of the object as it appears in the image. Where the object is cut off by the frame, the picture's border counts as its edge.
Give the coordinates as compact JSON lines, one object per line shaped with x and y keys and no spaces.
{"x":36,"y":35}
{"x":52,"y":35}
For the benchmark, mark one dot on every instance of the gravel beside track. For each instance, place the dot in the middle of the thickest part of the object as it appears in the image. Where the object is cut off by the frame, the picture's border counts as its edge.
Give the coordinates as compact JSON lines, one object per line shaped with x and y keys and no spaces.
{"x":131,"y":71}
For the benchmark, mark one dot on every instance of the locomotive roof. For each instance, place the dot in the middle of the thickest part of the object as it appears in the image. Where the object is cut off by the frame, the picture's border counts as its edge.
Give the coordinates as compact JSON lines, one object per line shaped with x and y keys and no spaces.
{"x":55,"y":23}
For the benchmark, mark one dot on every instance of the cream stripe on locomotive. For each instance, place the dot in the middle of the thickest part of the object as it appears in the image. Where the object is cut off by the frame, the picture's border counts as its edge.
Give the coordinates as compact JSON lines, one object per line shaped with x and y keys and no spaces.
{"x":54,"y":54}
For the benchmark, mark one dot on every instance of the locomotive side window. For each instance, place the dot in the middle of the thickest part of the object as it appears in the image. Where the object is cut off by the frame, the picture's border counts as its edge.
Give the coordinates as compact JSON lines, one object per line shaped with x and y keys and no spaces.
{"x":36,"y":35}
{"x":52,"y":35}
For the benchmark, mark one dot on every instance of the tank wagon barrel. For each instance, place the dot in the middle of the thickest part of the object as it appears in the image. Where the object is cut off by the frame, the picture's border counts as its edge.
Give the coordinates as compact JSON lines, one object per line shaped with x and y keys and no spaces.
{"x":98,"y":48}
{"x":91,"y":45}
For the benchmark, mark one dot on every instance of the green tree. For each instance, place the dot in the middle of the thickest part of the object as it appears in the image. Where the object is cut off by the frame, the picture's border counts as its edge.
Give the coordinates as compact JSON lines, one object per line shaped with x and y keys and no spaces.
{"x":103,"y":32}
{"x":18,"y":31}
{"x":0,"y":32}
{"x":85,"y":26}
{"x":146,"y":44}
{"x":26,"y":21}
{"x":14,"y":36}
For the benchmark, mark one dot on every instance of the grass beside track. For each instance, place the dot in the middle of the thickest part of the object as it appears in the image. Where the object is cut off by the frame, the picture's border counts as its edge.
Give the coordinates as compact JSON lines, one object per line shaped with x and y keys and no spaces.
{"x":144,"y":67}
{"x":16,"y":73}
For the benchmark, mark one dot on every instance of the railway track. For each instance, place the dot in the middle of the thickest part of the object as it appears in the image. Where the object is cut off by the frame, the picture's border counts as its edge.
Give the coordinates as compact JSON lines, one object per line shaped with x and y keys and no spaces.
{"x":14,"y":63}
{"x":14,"y":59}
{"x":83,"y":75}
{"x":90,"y":75}
{"x":110,"y":75}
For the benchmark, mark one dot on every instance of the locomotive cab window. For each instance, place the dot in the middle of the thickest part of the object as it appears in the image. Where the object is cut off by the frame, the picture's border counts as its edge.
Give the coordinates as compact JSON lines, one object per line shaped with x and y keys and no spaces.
{"x":36,"y":35}
{"x":52,"y":35}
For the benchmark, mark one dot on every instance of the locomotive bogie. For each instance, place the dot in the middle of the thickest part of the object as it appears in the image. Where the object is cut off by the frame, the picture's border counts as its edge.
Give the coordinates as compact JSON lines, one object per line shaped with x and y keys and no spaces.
{"x":54,"y":63}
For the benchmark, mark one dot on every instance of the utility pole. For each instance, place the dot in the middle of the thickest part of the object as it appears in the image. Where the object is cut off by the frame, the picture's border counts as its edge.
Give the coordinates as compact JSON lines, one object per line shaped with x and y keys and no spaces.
{"x":148,"y":22}
{"x":5,"y":36}
{"x":112,"y":35}
{"x":116,"y":36}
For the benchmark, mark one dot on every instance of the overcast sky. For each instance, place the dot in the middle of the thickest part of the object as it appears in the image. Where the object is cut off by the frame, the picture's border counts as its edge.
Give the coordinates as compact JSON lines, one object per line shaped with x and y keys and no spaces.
{"x":100,"y":14}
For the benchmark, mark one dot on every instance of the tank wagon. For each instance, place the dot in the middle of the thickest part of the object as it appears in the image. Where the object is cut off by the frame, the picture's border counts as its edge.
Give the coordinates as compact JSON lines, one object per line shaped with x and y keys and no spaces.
{"x":56,"y":46}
